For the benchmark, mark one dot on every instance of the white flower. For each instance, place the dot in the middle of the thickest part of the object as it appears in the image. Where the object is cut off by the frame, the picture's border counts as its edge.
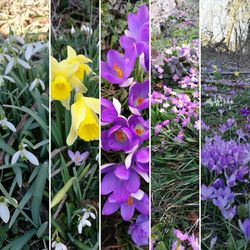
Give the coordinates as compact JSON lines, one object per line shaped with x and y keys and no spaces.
{"x":58,"y":246}
{"x":24,"y":154}
{"x":85,"y":220}
{"x":86,"y":29}
{"x":6,"y":124}
{"x":73,"y":31}
{"x":4,"y":210}
{"x":37,"y":82}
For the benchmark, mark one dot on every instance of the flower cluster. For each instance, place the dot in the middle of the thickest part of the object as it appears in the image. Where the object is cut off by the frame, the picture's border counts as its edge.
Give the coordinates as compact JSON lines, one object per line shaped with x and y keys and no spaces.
{"x":124,"y":181}
{"x":179,"y":68}
{"x":185,"y":240}
{"x":66,"y":76}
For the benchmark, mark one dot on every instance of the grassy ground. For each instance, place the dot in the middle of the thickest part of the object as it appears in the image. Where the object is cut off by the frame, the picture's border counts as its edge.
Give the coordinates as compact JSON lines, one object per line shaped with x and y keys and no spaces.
{"x":175,"y":166}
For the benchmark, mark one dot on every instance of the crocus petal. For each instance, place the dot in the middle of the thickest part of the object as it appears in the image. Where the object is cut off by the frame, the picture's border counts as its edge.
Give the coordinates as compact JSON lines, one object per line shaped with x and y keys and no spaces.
{"x":4,"y":212}
{"x":127,"y":211}
{"x":117,"y":106}
{"x":121,"y":172}
{"x":15,"y":157}
{"x":31,"y":157}
{"x":110,"y":207}
{"x":109,"y":183}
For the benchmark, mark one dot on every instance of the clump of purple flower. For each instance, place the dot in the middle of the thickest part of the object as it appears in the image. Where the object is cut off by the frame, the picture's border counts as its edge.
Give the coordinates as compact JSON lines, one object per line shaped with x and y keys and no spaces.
{"x":124,"y":183}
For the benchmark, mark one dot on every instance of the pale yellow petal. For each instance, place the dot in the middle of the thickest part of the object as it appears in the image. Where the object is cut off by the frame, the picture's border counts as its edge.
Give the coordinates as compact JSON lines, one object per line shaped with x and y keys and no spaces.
{"x":83,"y":59}
{"x":93,"y":104}
{"x":66,"y":103}
{"x":71,"y":52}
{"x":71,"y":137}
{"x":77,"y":84}
{"x":78,"y":113}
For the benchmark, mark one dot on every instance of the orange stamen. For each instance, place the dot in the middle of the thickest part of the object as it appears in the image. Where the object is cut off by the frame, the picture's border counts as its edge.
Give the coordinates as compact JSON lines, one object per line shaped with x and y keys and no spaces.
{"x":120,"y":135}
{"x":139,"y":100}
{"x":130,"y":201}
{"x":139,"y":130}
{"x":118,"y":71}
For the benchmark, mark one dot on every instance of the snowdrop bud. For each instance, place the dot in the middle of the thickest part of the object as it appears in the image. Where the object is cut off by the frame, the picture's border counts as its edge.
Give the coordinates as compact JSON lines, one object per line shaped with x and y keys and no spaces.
{"x":4,"y":210}
{"x":72,"y":31}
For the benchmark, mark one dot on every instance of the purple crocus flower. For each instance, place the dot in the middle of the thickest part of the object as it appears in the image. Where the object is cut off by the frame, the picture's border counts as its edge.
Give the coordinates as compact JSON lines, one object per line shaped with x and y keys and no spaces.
{"x":139,"y":231}
{"x":245,"y":228}
{"x":138,"y":25}
{"x":109,"y":111}
{"x":119,"y":181}
{"x":180,"y":235}
{"x":138,"y":98}
{"x":138,"y":201}
{"x":118,"y":67}
{"x":207,"y":193}
{"x":139,"y":126}
{"x":78,"y":157}
{"x":119,"y":137}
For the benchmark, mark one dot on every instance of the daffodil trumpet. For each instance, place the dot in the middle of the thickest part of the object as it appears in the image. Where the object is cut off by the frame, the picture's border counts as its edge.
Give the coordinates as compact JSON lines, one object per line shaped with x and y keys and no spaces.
{"x":84,"y":119}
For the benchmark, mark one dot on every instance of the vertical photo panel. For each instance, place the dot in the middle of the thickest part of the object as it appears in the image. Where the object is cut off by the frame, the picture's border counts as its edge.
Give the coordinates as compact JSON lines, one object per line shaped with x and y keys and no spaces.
{"x":125,"y":125}
{"x":225,"y":125}
{"x":75,"y":105}
{"x":175,"y":124}
{"x":24,"y":125}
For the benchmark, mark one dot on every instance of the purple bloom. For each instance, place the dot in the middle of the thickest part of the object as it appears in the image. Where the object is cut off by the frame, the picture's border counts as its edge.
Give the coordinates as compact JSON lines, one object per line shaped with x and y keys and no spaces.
{"x":78,"y":157}
{"x":138,"y":98}
{"x":139,"y":126}
{"x":138,"y":25}
{"x":119,"y":137}
{"x":180,"y":235}
{"x":139,"y":231}
{"x":118,"y":67}
{"x":120,"y":181}
{"x":245,"y":228}
{"x":109,"y":111}
{"x":207,"y":193}
{"x":193,"y":241}
{"x":138,"y":201}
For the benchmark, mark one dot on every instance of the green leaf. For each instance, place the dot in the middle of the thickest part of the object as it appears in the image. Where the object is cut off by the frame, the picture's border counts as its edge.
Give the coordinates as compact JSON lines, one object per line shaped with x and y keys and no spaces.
{"x":40,"y":232}
{"x":38,"y":191}
{"x":59,"y":196}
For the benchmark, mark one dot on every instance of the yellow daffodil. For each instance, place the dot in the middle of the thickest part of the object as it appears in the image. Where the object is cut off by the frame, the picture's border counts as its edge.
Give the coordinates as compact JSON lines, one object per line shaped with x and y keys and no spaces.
{"x":61,"y":82}
{"x":83,"y":66}
{"x":85,"y":122}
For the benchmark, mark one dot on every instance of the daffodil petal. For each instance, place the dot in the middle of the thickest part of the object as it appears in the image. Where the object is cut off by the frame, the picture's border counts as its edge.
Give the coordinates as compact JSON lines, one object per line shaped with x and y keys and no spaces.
{"x":65,"y":103}
{"x":93,"y":104}
{"x":71,"y":52}
{"x":78,"y":113}
{"x":72,"y":136}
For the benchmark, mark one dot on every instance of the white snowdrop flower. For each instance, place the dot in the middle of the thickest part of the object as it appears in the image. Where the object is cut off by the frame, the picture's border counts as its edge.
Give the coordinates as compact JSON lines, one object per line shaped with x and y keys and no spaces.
{"x":58,"y":246}
{"x":25,"y":155}
{"x":4,"y":210}
{"x":28,"y":52}
{"x":9,"y":66}
{"x":86,"y":29}
{"x":84,"y":221}
{"x":37,"y":82}
{"x":4,"y":123}
{"x":23,"y":63}
{"x":166,"y":105}
{"x":72,"y":31}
